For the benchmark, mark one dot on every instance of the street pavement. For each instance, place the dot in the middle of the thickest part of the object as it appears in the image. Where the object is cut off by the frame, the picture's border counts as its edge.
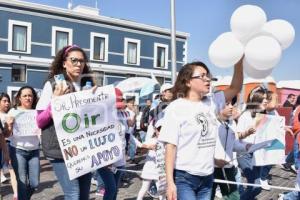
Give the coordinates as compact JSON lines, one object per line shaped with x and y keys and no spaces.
{"x":49,"y":188}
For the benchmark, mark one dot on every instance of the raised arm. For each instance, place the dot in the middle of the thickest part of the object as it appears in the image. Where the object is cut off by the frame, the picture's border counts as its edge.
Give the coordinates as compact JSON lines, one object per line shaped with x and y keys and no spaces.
{"x":236,"y":83}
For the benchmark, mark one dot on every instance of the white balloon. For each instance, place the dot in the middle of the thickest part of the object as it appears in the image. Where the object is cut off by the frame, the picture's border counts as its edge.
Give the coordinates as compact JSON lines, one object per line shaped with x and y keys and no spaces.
{"x":263,"y":52}
{"x":226,"y":50}
{"x":246,"y":21}
{"x":282,"y":30}
{"x":254,"y":73}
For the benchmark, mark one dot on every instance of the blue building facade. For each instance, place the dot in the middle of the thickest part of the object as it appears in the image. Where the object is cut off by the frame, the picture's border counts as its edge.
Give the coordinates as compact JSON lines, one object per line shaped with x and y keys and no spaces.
{"x":31,"y":34}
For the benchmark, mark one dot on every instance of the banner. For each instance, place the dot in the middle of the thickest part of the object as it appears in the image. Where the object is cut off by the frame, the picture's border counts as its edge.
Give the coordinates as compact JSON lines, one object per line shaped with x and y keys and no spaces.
{"x":160,"y":165}
{"x":270,"y":128}
{"x":86,"y":128}
{"x":25,"y":124}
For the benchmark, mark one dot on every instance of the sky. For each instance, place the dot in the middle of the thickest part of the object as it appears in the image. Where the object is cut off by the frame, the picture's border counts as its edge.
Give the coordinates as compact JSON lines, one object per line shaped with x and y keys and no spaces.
{"x":204,"y":20}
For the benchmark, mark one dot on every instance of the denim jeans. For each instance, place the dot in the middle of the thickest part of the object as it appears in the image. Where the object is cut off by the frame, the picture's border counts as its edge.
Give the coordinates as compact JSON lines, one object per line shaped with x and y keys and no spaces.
{"x":111,"y":182}
{"x":192,"y":187}
{"x":97,"y":177}
{"x":26,"y":165}
{"x":265,"y":172}
{"x":252,"y":174}
{"x":76,"y":189}
{"x":293,"y":195}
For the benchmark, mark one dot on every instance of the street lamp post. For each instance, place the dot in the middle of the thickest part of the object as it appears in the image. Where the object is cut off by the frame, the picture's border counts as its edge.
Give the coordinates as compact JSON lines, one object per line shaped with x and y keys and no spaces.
{"x":173,"y":41}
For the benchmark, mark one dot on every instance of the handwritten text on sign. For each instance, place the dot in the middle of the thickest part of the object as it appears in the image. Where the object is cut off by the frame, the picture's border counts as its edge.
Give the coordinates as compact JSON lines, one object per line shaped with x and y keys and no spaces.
{"x":25,"y":124}
{"x":85,"y":123}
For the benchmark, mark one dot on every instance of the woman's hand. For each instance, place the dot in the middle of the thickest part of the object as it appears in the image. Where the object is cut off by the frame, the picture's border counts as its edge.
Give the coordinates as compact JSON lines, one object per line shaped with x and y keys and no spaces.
{"x":250,"y":131}
{"x":289,"y":130}
{"x":221,"y":163}
{"x":61,"y":89}
{"x":149,"y":146}
{"x":171,"y":191}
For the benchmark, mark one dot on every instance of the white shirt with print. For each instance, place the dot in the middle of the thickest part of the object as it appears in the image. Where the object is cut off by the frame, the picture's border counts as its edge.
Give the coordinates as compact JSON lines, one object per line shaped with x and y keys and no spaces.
{"x":192,"y":127}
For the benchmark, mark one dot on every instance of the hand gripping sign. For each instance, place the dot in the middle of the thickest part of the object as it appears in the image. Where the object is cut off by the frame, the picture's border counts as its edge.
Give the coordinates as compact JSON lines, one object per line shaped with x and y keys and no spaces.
{"x":85,"y":124}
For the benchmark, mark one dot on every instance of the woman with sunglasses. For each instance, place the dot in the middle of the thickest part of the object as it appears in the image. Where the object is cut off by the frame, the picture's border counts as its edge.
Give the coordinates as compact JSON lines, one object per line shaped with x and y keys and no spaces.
{"x":71,"y":62}
{"x":24,"y":150}
{"x":189,"y":131}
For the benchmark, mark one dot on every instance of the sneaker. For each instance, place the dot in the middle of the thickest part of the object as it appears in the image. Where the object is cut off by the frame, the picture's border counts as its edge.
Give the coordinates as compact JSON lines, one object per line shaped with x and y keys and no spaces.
{"x":153,"y":191}
{"x":100,"y":192}
{"x":293,"y":169}
{"x":265,"y":185}
{"x":280,"y":196}
{"x":4,"y":178}
{"x":94,"y":181}
{"x":218,"y":193}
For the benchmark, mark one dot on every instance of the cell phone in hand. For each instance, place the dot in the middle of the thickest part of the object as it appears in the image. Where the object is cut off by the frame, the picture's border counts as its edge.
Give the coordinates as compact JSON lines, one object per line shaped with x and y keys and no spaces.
{"x":59,"y":78}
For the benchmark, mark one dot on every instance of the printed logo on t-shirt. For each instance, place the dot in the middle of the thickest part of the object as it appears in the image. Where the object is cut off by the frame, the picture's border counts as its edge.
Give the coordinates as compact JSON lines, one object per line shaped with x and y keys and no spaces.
{"x":202,"y":121}
{"x":206,"y":124}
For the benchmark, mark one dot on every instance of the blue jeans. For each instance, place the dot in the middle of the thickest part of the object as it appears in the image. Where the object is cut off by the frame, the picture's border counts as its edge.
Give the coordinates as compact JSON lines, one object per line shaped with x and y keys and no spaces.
{"x":97,"y":177}
{"x":26,"y":165}
{"x":111,"y":182}
{"x":293,"y":195}
{"x":76,"y":189}
{"x":192,"y":187}
{"x":265,"y":172}
{"x":252,"y":174}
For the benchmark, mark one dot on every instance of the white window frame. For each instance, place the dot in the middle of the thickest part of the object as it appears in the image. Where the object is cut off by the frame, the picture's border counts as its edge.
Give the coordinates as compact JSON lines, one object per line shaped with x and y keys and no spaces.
{"x":106,"y":37}
{"x":62,"y":29}
{"x":26,"y":71}
{"x":156,"y":45}
{"x":138,"y":54}
{"x":11,"y":24}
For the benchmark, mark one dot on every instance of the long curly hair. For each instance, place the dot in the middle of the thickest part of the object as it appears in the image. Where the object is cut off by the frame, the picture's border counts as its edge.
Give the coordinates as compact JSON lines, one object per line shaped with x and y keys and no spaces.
{"x":57,"y":64}
{"x":185,"y":74}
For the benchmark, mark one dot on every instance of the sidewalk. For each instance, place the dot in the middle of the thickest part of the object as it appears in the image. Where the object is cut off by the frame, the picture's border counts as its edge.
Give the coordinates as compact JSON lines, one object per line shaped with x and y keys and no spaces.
{"x":50,"y":190}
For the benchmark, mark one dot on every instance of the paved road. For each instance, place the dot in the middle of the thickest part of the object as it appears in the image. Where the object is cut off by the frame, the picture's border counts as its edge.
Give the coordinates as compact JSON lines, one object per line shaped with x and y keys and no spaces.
{"x":50,"y":189}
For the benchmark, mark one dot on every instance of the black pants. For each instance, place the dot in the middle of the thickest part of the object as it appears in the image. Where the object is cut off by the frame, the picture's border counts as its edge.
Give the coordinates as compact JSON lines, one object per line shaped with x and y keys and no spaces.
{"x":226,"y":189}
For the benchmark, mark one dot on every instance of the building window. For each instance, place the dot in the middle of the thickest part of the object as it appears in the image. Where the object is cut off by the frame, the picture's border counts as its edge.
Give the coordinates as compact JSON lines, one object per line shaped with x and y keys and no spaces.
{"x":18,"y":73}
{"x":99,"y":47}
{"x":161,"y":52}
{"x":132,"y":51}
{"x":61,"y":37}
{"x":19,"y":36}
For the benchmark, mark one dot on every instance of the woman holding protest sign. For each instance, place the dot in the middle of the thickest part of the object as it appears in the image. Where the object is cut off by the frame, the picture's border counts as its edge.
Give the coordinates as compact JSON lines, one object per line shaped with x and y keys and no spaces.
{"x":256,"y":103}
{"x":69,"y":72}
{"x":189,"y":131}
{"x":24,"y":144}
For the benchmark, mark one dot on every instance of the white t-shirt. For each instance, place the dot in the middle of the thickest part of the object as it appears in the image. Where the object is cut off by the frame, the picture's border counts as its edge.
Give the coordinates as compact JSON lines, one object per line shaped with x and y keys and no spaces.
{"x":245,"y":122}
{"x":26,"y":142}
{"x":192,"y":127}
